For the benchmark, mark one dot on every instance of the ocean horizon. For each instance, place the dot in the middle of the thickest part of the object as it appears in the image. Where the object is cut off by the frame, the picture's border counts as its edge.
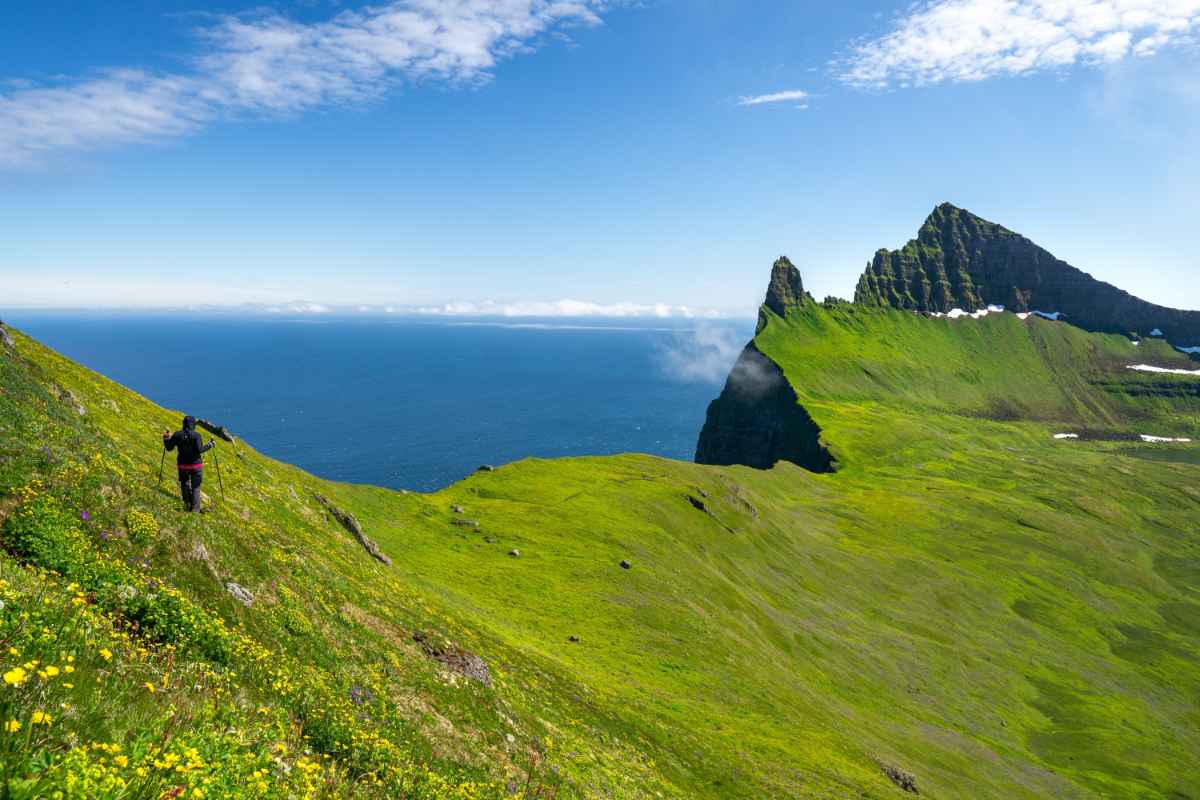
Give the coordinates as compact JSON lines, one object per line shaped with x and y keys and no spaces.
{"x":411,"y":402}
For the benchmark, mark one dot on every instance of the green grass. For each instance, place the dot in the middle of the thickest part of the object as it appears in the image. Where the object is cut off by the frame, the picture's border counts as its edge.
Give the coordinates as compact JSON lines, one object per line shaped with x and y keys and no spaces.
{"x":1000,"y":614}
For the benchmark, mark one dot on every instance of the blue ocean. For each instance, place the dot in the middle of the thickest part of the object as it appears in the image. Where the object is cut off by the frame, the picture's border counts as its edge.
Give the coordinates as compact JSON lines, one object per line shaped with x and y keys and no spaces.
{"x":414,"y":403}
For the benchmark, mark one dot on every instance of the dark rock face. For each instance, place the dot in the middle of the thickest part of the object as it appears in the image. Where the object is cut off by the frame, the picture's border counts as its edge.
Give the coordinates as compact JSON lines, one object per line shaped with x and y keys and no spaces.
{"x":758,"y":422}
{"x":347,"y":521}
{"x":5,"y":337}
{"x":961,"y":261}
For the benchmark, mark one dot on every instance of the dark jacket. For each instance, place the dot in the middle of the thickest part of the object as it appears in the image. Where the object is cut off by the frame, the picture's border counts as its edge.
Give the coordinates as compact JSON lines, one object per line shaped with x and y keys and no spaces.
{"x":189,"y":444}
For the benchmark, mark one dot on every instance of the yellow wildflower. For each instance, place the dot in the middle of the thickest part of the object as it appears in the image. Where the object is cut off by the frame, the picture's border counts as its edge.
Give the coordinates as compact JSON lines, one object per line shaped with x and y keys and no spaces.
{"x":12,"y":726}
{"x":106,"y":654}
{"x":51,"y":671}
{"x":41,"y":718}
{"x":15,"y":676}
{"x":149,"y":686}
{"x":121,"y":761}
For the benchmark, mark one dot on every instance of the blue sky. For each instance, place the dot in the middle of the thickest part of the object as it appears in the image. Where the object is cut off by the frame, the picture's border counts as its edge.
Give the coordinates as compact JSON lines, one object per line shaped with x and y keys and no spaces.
{"x":500,"y":155}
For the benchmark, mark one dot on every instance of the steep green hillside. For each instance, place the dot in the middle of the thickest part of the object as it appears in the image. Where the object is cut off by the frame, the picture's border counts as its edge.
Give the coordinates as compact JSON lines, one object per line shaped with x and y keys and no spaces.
{"x":882,"y":382}
{"x":968,"y":606}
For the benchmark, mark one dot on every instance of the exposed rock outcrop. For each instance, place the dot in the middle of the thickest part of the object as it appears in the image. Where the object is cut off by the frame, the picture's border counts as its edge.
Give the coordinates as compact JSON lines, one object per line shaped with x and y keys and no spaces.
{"x":67,"y":397}
{"x":784,"y":292}
{"x":6,"y":339}
{"x":758,"y":422}
{"x":216,"y":430}
{"x":240,"y":593}
{"x":347,"y":521}
{"x":786,"y":289}
{"x":902,"y":779}
{"x":959,"y":260}
{"x":454,"y":657}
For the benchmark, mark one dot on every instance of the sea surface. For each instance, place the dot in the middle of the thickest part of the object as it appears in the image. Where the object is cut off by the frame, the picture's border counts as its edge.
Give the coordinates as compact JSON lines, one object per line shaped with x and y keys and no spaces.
{"x":413,"y":403}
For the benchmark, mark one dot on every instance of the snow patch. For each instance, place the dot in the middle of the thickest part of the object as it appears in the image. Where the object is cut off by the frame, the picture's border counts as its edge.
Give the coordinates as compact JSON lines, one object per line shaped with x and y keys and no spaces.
{"x":1162,"y":439}
{"x":1066,"y":436}
{"x":1151,"y":368}
{"x":958,"y":313}
{"x":1189,"y":350}
{"x":1156,"y":332}
{"x":996,"y":309}
{"x":1023,"y":314}
{"x":1051,"y":315}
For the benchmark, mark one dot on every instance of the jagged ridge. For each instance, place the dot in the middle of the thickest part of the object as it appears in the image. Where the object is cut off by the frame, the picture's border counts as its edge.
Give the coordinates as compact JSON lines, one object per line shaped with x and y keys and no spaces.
{"x":960,"y":260}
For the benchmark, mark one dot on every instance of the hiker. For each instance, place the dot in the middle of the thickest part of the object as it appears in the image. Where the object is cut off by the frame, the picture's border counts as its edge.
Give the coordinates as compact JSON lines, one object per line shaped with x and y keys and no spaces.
{"x":189,"y":461}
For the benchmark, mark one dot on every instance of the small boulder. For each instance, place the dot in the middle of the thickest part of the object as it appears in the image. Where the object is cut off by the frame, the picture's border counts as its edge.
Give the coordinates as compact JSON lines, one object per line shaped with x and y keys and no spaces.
{"x":240,"y":593}
{"x":904,"y":780}
{"x":486,"y":468}
{"x":458,"y":509}
{"x":625,"y":564}
{"x":454,"y":657}
{"x":572,"y":638}
{"x":514,"y":553}
{"x":465,"y":523}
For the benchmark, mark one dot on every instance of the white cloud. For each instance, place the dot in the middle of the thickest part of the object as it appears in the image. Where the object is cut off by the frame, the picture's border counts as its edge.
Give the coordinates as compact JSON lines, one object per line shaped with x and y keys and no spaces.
{"x":971,"y":40}
{"x":776,"y":97}
{"x":299,"y":307}
{"x":566,"y":308}
{"x":273,"y":65}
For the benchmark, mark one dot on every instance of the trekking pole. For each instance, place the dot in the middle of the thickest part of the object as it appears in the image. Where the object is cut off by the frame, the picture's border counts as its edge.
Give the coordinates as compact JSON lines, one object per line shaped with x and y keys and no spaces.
{"x":217,"y":461}
{"x":161,"y":462}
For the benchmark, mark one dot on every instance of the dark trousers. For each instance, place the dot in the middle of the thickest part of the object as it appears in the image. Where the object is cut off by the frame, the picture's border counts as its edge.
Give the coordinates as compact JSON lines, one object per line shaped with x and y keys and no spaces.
{"x":189,"y":487}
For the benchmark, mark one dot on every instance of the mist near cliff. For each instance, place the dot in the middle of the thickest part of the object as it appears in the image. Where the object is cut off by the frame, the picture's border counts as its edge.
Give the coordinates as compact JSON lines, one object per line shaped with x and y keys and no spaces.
{"x":704,"y":354}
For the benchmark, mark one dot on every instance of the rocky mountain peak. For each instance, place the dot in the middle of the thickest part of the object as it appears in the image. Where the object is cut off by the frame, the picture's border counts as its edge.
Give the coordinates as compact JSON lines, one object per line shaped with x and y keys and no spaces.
{"x":960,"y":260}
{"x":786,"y":289}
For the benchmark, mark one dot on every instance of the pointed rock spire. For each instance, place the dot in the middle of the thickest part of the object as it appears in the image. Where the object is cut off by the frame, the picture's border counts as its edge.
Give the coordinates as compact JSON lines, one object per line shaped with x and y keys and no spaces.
{"x":786,"y":289}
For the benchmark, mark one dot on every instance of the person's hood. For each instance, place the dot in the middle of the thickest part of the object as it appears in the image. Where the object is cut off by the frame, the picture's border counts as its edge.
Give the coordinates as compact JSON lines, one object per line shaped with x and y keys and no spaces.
{"x":189,"y":423}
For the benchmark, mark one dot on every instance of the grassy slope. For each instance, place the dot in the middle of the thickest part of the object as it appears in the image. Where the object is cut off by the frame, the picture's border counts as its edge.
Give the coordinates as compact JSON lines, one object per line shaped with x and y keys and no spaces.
{"x":1000,"y":614}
